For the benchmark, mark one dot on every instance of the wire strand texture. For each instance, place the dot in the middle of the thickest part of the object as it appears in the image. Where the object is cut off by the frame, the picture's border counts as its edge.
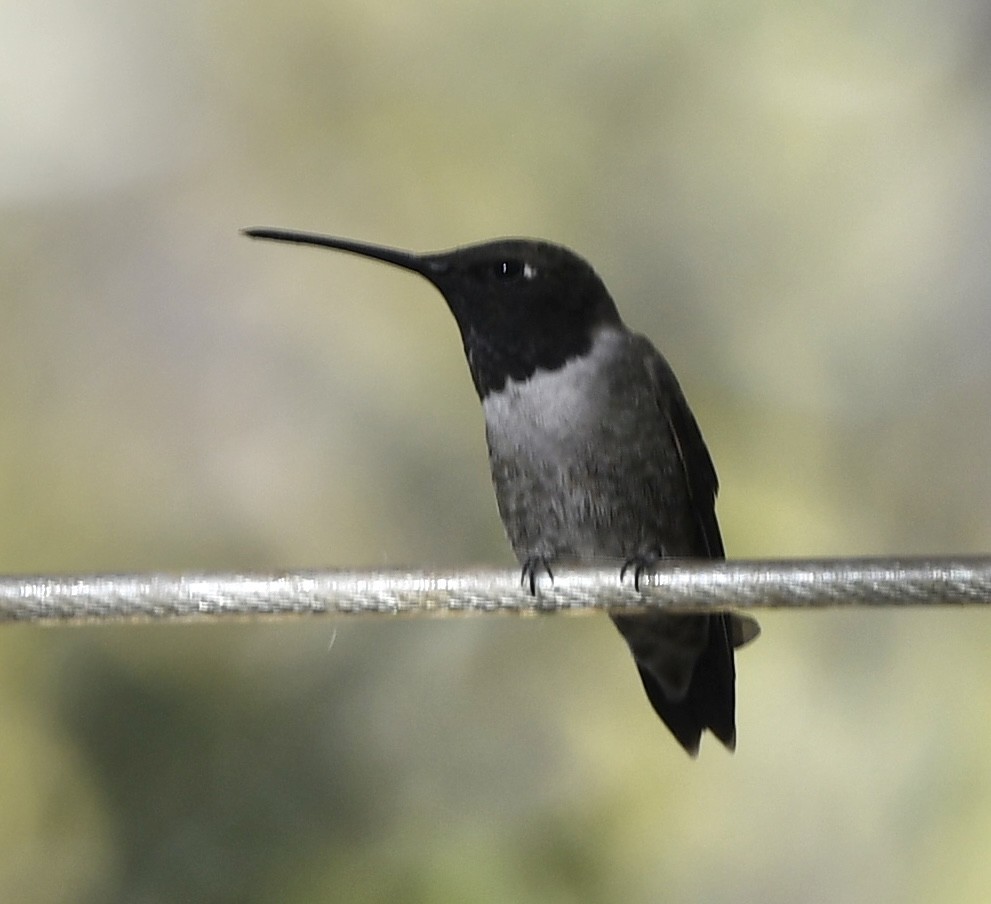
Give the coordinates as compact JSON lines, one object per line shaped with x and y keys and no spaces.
{"x":675,"y":585}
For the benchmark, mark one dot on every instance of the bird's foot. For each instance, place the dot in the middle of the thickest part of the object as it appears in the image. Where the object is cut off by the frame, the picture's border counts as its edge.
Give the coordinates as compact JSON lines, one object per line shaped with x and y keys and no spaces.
{"x":638,"y":564}
{"x":531,"y":569}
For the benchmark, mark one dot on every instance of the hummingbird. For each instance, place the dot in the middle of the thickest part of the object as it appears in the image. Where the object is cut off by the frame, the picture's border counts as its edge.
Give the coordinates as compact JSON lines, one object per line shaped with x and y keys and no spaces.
{"x":593,"y":450}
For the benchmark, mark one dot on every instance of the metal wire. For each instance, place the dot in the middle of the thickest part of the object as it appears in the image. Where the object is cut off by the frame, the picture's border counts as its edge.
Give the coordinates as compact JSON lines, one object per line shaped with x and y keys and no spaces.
{"x":677,"y":585}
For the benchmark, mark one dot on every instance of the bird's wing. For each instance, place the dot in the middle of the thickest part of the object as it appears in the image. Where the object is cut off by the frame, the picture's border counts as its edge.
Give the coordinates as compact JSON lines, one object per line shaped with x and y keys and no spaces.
{"x":700,"y":476}
{"x":693,"y":456}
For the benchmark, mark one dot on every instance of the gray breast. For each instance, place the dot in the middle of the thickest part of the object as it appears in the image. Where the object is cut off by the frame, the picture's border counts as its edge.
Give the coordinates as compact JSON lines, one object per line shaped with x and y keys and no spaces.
{"x":583,"y":461}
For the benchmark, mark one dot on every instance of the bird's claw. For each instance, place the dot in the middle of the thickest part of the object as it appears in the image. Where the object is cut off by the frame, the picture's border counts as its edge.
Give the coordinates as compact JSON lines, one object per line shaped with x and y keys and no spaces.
{"x":639,"y":564}
{"x":531,"y":567}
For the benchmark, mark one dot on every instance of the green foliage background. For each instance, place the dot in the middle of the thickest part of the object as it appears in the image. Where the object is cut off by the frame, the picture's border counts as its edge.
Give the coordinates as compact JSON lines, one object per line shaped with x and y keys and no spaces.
{"x":791,"y":200}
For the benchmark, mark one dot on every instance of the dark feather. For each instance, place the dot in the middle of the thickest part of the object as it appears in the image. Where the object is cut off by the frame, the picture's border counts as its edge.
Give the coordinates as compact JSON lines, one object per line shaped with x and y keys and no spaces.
{"x":710,"y":699}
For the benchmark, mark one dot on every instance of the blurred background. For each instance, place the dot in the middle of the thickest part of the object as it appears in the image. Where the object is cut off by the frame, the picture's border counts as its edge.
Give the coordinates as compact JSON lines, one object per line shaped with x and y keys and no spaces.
{"x":792,"y":201}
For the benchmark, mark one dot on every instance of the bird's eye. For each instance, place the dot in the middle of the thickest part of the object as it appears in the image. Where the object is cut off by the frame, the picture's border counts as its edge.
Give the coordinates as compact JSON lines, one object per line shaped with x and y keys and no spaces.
{"x":508,"y":269}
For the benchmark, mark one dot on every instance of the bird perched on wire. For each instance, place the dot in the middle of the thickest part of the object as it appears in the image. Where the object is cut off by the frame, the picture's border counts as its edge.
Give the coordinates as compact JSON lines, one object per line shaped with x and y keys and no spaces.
{"x":593,"y":449}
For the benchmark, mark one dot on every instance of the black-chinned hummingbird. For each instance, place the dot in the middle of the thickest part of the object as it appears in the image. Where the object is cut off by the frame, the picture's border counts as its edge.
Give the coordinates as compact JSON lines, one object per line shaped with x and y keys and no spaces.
{"x":594,"y":451}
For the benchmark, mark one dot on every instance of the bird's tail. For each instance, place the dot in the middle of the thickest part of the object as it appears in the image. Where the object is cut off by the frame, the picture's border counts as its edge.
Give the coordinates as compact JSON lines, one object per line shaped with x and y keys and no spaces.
{"x":686,"y":665}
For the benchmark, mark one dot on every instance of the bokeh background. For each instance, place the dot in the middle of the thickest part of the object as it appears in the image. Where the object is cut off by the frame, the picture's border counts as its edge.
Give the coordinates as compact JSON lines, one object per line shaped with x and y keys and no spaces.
{"x":792,"y":200}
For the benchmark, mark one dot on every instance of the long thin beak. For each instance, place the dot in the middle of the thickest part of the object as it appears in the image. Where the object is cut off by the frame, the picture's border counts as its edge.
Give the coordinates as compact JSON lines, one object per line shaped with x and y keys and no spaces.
{"x":426,"y":265}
